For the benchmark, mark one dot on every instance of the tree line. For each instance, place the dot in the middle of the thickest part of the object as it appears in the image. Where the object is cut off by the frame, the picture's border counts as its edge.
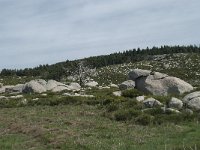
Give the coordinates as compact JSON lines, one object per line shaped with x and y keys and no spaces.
{"x":63,"y":69}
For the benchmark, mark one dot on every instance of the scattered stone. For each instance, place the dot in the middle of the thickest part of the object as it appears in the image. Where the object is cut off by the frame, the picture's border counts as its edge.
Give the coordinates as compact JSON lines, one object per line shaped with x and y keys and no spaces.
{"x":16,"y":97}
{"x":175,"y":103}
{"x":2,"y":97}
{"x":104,"y":87}
{"x":78,"y":95}
{"x":35,"y":99}
{"x":140,"y":98}
{"x":117,"y":93}
{"x":188,"y":111}
{"x":151,"y":102}
{"x":127,"y":85}
{"x":91,"y":84}
{"x":1,"y":84}
{"x":44,"y":94}
{"x":24,"y":101}
{"x":114,"y":86}
{"x":171,"y":110}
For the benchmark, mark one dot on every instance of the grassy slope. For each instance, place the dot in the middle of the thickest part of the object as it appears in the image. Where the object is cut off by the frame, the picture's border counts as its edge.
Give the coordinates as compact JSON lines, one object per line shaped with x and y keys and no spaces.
{"x":83,"y":127}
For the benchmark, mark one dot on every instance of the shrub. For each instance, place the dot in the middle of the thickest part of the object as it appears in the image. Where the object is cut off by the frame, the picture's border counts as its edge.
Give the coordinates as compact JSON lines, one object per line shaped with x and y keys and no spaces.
{"x":144,"y":119}
{"x":112,"y":107}
{"x":154,"y":111}
{"x":131,"y":93}
{"x":123,"y":115}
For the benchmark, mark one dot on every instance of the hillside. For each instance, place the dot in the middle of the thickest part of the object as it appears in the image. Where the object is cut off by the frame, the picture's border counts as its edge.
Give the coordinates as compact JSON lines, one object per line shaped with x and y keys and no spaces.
{"x":101,"y":112}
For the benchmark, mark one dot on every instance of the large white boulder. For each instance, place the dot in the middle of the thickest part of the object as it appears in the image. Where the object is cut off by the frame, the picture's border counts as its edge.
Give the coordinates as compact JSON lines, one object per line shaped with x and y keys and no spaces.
{"x":34,"y":87}
{"x":158,"y":84}
{"x":91,"y":84}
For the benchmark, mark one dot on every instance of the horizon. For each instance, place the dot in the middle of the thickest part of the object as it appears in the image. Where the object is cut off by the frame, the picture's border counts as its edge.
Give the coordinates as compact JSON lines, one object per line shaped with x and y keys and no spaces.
{"x":38,"y":32}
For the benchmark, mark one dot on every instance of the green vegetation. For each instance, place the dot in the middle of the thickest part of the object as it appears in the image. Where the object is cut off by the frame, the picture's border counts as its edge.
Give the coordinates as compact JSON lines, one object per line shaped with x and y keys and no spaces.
{"x":60,"y":70}
{"x":105,"y":122}
{"x":83,"y":127}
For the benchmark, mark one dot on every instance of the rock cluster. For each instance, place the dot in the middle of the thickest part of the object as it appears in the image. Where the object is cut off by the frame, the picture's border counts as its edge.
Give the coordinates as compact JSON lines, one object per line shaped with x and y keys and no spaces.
{"x":40,"y":86}
{"x":158,"y":83}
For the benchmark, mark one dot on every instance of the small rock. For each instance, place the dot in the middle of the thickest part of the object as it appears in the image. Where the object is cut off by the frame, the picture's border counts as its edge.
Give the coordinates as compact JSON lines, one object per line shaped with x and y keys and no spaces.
{"x":91,"y":84}
{"x":44,"y":94}
{"x":117,"y":93}
{"x":17,"y":97}
{"x":171,"y":110}
{"x":175,"y":103}
{"x":114,"y":86}
{"x":151,"y":102}
{"x":2,"y":97}
{"x":24,"y":101}
{"x":188,"y":111}
{"x":192,"y":100}
{"x":140,"y":98}
{"x":127,"y":85}
{"x":35,"y":99}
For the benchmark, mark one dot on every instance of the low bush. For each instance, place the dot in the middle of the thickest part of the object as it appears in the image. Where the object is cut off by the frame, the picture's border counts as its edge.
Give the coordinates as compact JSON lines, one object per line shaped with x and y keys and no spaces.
{"x":131,"y":93}
{"x":144,"y":119}
{"x":125,"y":115}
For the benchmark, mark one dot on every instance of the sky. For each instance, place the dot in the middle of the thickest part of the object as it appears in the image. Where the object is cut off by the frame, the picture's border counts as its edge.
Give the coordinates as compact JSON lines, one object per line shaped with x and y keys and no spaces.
{"x":34,"y":32}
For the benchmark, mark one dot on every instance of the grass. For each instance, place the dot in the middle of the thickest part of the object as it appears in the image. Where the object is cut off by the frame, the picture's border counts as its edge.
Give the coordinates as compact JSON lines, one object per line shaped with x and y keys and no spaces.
{"x":83,"y":127}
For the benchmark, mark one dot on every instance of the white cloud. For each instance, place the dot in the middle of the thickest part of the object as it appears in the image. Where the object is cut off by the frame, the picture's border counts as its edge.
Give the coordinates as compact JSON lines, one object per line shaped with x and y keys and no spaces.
{"x":47,"y":31}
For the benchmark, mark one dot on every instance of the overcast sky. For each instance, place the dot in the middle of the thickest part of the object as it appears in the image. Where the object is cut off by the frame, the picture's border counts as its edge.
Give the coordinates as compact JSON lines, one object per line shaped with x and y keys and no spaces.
{"x":34,"y":32}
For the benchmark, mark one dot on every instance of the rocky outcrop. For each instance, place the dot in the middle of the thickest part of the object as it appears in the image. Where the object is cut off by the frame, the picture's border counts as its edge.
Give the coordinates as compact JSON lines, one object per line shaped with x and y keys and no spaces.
{"x":192,"y":100}
{"x":157,"y":83}
{"x":130,"y":84}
